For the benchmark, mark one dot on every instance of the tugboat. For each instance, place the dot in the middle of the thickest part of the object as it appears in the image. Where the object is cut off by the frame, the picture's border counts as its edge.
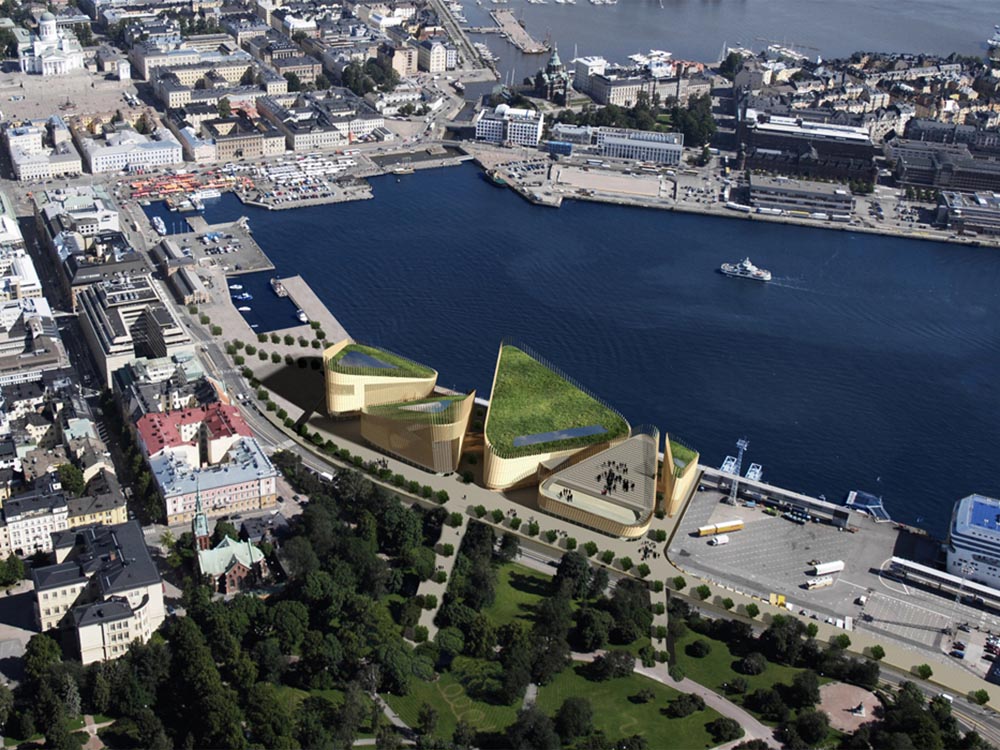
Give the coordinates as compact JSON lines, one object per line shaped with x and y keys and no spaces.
{"x":745,"y":270}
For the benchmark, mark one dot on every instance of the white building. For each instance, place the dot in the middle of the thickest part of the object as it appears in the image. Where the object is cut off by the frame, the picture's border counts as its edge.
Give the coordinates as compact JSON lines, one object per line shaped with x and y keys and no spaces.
{"x":32,"y":520}
{"x":126,"y":148}
{"x":641,"y":145}
{"x":584,"y":68}
{"x":506,"y":124}
{"x":432,"y":56}
{"x":53,"y":52}
{"x":33,"y":158}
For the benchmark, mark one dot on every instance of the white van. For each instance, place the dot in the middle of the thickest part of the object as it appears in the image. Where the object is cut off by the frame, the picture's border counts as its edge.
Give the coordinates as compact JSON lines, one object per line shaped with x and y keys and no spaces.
{"x":719,"y":540}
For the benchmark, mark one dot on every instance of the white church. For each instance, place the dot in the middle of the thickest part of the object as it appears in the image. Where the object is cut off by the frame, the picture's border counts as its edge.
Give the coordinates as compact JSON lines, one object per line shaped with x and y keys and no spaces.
{"x":52,"y":51}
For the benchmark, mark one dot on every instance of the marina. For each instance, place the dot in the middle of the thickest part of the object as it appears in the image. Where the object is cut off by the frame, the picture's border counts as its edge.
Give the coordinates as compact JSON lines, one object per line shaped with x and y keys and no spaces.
{"x":516,"y":33}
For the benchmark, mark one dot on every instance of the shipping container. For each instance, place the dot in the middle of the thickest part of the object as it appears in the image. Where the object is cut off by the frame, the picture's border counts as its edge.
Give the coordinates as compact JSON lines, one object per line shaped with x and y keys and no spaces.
{"x":825,"y":569}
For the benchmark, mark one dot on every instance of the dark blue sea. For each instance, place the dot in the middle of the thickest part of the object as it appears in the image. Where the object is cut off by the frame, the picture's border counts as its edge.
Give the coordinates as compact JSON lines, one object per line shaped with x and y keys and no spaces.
{"x":868,"y":363}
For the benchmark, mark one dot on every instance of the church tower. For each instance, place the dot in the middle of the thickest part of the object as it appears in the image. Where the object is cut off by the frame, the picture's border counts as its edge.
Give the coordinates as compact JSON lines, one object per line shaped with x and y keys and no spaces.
{"x":47,"y":27}
{"x":199,"y":526}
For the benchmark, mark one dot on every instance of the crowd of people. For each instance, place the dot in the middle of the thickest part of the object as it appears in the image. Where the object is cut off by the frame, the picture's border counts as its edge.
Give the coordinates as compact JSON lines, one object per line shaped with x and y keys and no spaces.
{"x":614,"y":477}
{"x":648,"y":550}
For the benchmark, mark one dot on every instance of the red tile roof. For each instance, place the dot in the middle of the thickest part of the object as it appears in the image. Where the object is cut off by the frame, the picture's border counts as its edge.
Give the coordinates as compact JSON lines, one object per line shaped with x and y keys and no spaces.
{"x":163,"y":430}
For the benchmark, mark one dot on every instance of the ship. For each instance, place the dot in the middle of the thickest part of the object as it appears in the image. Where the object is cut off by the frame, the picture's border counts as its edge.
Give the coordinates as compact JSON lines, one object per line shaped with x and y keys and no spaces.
{"x":494,"y":177}
{"x":994,"y":41}
{"x":278,"y":287}
{"x":745,"y":270}
{"x":303,"y":318}
{"x":159,"y":226}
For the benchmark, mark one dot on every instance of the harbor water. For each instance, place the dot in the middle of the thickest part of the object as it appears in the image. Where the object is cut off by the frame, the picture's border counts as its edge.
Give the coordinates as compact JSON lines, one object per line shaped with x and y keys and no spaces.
{"x":867,"y":363}
{"x":697,"y":29}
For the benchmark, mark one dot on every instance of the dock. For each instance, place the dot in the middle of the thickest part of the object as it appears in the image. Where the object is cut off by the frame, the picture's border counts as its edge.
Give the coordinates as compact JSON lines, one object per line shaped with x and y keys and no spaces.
{"x":306,"y":300}
{"x":515,"y":32}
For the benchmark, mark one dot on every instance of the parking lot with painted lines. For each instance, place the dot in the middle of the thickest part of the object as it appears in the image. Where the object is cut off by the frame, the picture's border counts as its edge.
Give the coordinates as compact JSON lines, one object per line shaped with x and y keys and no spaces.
{"x":905,"y":619}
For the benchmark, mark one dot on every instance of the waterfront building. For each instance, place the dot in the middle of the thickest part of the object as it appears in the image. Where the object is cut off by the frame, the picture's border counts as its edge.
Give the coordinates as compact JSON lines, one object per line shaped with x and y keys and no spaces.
{"x":800,"y":196}
{"x":360,"y":377}
{"x":538,"y":416}
{"x":969,"y":213}
{"x":641,"y":145}
{"x":432,"y":56}
{"x":584,"y":68}
{"x":505,"y":124}
{"x":122,"y":147}
{"x":428,"y":432}
{"x":322,"y":119}
{"x":974,"y":540}
{"x":943,"y":166}
{"x":390,"y":102}
{"x":126,"y":318}
{"x":104,"y":586}
{"x":620,"y":90}
{"x":612,"y":491}
{"x":241,"y":137}
{"x":53,"y":51}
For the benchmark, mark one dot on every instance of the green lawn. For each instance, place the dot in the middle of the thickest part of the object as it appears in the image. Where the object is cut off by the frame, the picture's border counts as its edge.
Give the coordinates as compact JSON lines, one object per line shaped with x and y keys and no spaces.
{"x":410,"y":411}
{"x":682,"y":455}
{"x":619,"y":717}
{"x":452,"y":701}
{"x":519,"y":589}
{"x":401,"y":367}
{"x":528,"y":398}
{"x":290,"y":698}
{"x":717,"y":668}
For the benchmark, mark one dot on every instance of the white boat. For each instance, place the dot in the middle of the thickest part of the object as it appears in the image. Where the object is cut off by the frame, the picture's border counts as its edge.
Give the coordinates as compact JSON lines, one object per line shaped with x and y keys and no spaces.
{"x":237,"y":287}
{"x":205,"y":194}
{"x":159,"y":226}
{"x":244,"y":309}
{"x":303,"y":318}
{"x":278,"y":287}
{"x":745,"y":270}
{"x":994,"y":41}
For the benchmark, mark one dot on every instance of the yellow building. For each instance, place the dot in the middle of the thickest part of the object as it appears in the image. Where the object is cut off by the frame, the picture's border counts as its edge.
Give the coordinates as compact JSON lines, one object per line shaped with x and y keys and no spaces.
{"x":88,"y":510}
{"x":539,"y":416}
{"x":428,"y":432}
{"x":612,"y":490}
{"x":360,"y":377}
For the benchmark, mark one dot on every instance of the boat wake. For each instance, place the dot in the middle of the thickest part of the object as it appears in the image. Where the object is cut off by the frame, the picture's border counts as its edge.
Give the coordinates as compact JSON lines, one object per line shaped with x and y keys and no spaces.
{"x":789,"y":283}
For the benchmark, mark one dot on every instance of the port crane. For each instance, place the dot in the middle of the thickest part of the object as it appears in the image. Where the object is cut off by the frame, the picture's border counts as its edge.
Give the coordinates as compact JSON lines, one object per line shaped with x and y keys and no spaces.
{"x":741,"y":445}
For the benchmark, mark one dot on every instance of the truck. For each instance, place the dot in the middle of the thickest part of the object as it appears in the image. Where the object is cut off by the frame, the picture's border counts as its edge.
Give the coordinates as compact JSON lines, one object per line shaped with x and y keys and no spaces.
{"x":819,"y":582}
{"x":825,"y":569}
{"x":718,"y":541}
{"x":720,"y":528}
{"x":326,"y":476}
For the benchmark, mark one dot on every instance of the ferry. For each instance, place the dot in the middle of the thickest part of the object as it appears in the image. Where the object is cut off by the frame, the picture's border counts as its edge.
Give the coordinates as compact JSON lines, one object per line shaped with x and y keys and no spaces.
{"x":994,"y":41}
{"x":745,"y":270}
{"x":159,"y":226}
{"x":278,"y":287}
{"x":303,"y":318}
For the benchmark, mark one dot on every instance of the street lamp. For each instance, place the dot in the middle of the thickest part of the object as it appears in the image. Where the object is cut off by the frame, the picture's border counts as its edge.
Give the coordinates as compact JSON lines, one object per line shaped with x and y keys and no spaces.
{"x":967,"y":569}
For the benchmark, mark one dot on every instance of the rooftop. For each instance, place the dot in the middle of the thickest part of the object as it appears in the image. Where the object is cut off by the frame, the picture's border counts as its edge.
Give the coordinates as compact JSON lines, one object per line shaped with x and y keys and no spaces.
{"x":535,"y":409}
{"x":438,"y":409}
{"x":246,"y":462}
{"x":979,"y":515}
{"x":357,"y":359}
{"x":159,"y":430}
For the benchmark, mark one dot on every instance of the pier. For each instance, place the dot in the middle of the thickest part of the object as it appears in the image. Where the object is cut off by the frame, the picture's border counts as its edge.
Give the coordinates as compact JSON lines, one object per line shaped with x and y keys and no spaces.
{"x":515,"y":32}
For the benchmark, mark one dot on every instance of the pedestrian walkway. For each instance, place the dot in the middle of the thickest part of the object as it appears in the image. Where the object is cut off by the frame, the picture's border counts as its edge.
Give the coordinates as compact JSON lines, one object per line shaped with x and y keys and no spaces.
{"x":452,"y":536}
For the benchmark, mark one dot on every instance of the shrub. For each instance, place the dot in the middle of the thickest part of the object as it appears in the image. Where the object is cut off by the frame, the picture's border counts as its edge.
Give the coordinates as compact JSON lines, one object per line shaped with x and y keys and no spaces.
{"x":676,"y":672}
{"x":430,"y":601}
{"x":657,"y":586}
{"x":398,"y":480}
{"x":289,"y":339}
{"x":607,"y":557}
{"x":230,"y":350}
{"x":877,"y":653}
{"x":683,"y":705}
{"x":737,"y":685}
{"x":420,"y":633}
{"x":447,"y":550}
{"x":426,"y":491}
{"x":479,"y":510}
{"x":262,"y":394}
{"x":660,"y":632}
{"x":281,"y":414}
{"x":752,"y":664}
{"x":275,"y":338}
{"x":441,"y":496}
{"x":239,"y":360}
{"x":288,"y":422}
{"x":924,"y":671}
{"x":467,"y":477}
{"x":192,"y":309}
{"x":515,"y":523}
{"x":659,"y":609}
{"x":262,"y":355}
{"x":698,"y":649}
{"x":724,"y":729}
{"x":570,"y":543}
{"x":533,"y":528}
{"x":316,"y":344}
{"x":703,"y":592}
{"x":261,"y":337}
{"x":271,"y":406}
{"x":625,"y":562}
{"x":678,"y":583}
{"x":439,"y":576}
{"x":660,"y":535}
{"x":842,"y":641}
{"x":454,"y":520}
{"x":251,"y":349}
{"x":238,"y":344}
{"x":752,"y":610}
{"x":303,"y":341}
{"x":320,"y":335}
{"x":276,"y":358}
{"x":812,"y":629}
{"x":981,"y":697}
{"x":551,"y":536}
{"x":643,"y":696}
{"x":216,"y":330}
{"x":613,"y":664}
{"x":204,"y":319}
{"x":497,"y":515}
{"x":413,"y":486}
{"x":728,"y":603}
{"x":590,"y":548}
{"x":643,"y":570}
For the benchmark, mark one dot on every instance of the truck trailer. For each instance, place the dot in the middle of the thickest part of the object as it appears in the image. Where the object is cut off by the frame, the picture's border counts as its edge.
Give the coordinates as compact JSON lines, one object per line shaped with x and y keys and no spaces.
{"x":828,"y":568}
{"x":720,"y":528}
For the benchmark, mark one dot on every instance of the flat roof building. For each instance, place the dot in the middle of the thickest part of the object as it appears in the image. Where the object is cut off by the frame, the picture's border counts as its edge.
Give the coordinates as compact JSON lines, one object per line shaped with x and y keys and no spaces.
{"x":800,"y":196}
{"x":641,"y":145}
{"x":506,"y":124}
{"x":970,"y":212}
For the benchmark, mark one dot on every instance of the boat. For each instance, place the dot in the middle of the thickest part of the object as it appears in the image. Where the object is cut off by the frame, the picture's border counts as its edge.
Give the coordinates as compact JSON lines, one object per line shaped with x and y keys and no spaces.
{"x":243,"y":296}
{"x":159,"y":226}
{"x":745,"y":270}
{"x":303,"y":318}
{"x":994,"y":41}
{"x":278,"y":287}
{"x":205,"y":194}
{"x":236,"y":287}
{"x":244,"y":309}
{"x":255,"y":325}
{"x":496,"y":179}
{"x":458,"y":86}
{"x":402,"y":169}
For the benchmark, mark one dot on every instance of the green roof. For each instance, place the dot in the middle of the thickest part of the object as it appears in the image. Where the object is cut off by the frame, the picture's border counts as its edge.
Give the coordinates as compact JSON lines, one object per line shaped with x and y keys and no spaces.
{"x":436,"y":410}
{"x":682,"y":456}
{"x":531,"y":400}
{"x":357,"y":359}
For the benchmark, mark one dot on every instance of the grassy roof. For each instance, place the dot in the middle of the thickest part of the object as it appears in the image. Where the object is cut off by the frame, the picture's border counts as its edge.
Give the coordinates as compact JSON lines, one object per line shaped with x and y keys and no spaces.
{"x":404,"y":411}
{"x":400,"y":367}
{"x":528,"y":398}
{"x":682,"y":454}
